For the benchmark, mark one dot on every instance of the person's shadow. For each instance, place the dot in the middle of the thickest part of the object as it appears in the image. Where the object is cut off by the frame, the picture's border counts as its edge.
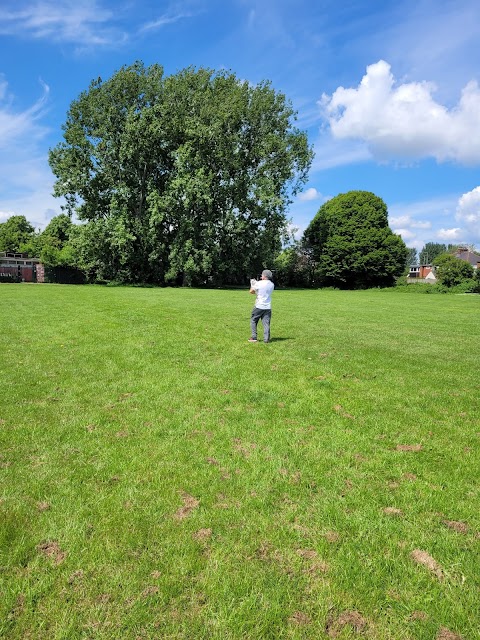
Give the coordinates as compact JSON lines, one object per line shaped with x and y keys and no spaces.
{"x":280,"y":339}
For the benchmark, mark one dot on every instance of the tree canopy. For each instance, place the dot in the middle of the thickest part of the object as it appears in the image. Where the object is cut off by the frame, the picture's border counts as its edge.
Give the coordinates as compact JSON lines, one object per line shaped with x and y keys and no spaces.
{"x":352,"y":245}
{"x":179,"y":179}
{"x":451,"y":271}
{"x":15,"y":232}
{"x":430,"y":251}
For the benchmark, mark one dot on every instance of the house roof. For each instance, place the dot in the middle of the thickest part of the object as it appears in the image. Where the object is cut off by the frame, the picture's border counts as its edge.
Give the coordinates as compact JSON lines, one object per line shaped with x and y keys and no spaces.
{"x":469,"y":256}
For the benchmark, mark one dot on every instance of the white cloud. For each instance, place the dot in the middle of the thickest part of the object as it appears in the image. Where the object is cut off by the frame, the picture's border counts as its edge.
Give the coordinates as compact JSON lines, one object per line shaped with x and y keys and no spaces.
{"x":449,"y":234}
{"x":421,"y":225}
{"x":85,"y":23}
{"x":404,"y":121}
{"x":163,"y":21}
{"x":468,"y":213}
{"x":23,"y":125}
{"x":310,"y":194}
{"x":407,"y":221}
{"x":400,"y":221}
{"x":27,"y":182}
{"x":405,"y":233}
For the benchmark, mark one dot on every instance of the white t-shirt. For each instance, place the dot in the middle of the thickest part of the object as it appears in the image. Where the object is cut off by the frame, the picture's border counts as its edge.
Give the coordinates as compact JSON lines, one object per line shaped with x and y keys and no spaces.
{"x":264,"y":289}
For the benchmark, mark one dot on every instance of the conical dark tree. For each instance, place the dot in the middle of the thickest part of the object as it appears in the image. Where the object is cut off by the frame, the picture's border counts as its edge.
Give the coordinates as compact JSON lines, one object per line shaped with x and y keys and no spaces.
{"x":351,"y":244}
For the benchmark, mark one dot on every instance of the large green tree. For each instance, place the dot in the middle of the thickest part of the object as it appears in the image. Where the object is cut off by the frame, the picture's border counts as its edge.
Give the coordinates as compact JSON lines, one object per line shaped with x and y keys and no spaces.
{"x":430,"y":251}
{"x":451,"y":271}
{"x":15,"y":234}
{"x":185,"y":178}
{"x":352,"y":245}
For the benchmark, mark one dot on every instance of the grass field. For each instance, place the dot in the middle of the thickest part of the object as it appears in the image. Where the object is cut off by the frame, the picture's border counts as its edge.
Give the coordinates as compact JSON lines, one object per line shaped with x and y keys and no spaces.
{"x":160,"y":477}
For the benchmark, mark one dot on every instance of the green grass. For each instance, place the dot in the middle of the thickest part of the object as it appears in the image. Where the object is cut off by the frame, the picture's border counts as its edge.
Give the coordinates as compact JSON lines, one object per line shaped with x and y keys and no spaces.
{"x":160,"y":477}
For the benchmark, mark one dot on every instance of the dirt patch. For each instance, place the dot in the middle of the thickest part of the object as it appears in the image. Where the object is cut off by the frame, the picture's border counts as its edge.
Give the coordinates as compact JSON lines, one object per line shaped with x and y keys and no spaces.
{"x":341,"y":411}
{"x":354,"y":619}
{"x":308,"y":554}
{"x":392,"y":511}
{"x":300,"y":618}
{"x":317,"y":567}
{"x":446,"y":634}
{"x":408,"y":447}
{"x":121,"y":434}
{"x":332,"y":536}
{"x":43,"y":506}
{"x":149,"y":591}
{"x":156,"y":574}
{"x":409,"y":476}
{"x":202,"y":535}
{"x":245,"y":449}
{"x":418,"y":615}
{"x":51,"y":549}
{"x":212,"y":461}
{"x":459,"y":527}
{"x":18,"y":607}
{"x":189,"y":504}
{"x":425,"y":559}
{"x":75,"y":577}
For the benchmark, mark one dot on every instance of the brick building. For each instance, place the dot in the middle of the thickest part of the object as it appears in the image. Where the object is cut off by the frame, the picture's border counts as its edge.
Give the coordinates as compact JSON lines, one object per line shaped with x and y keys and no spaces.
{"x":18,"y":266}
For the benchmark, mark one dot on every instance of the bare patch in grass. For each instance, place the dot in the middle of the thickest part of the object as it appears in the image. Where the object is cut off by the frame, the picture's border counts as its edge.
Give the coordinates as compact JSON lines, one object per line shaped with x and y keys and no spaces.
{"x":212,"y":461}
{"x":409,"y":476}
{"x":149,"y":591}
{"x":75,"y":576}
{"x":43,"y":506}
{"x":425,"y":559}
{"x":245,"y":449}
{"x":341,"y":411}
{"x":189,"y":504}
{"x":459,"y":527}
{"x":90,"y":428}
{"x":446,"y":634}
{"x":19,"y":606}
{"x":419,"y":615}
{"x":51,"y":549}
{"x":392,"y":511}
{"x":409,"y":447}
{"x":300,"y":618}
{"x":202,"y":535}
{"x":264,"y":551}
{"x":156,"y":574}
{"x":308,"y":554}
{"x":318,"y":567}
{"x":121,"y":434}
{"x":354,"y":619}
{"x":332,"y":536}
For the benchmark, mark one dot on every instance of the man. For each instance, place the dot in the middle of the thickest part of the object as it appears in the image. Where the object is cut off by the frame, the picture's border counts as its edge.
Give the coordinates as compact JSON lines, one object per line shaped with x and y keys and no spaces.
{"x":263,"y":305}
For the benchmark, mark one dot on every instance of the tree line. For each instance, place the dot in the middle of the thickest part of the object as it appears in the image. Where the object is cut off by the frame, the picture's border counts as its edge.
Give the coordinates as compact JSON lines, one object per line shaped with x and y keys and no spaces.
{"x":187,"y":180}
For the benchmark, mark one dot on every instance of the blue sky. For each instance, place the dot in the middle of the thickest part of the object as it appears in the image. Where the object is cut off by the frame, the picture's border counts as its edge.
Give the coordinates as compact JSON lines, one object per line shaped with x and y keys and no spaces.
{"x":387,"y":91}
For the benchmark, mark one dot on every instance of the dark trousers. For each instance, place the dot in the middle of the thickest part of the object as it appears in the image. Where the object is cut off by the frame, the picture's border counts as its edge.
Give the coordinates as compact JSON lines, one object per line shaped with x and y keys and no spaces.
{"x":264,"y":315}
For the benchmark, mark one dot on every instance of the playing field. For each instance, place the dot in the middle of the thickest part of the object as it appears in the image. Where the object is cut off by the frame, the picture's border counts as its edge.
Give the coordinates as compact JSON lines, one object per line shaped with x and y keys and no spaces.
{"x":160,"y":477}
